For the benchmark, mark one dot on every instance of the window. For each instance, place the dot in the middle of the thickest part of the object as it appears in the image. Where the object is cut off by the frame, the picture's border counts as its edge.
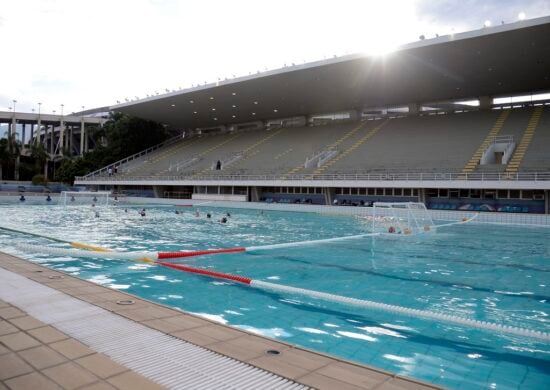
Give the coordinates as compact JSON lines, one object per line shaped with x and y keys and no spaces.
{"x":398,"y":191}
{"x":370,"y":191}
{"x":464,"y":193}
{"x":407,"y":191}
{"x":290,"y":190}
{"x":489,"y":194}
{"x":475,"y":194}
{"x":318,"y":190}
{"x":443,"y":193}
{"x":353,"y":191}
{"x":345,"y":191}
{"x":240,"y":191}
{"x":388,"y":191}
{"x":502,"y":194}
{"x":226,"y":190}
{"x":526,"y":194}
{"x":431,"y":192}
{"x":379,"y":191}
{"x":362,"y":191}
{"x":213,"y":190}
{"x":200,"y":189}
{"x":514,"y":194}
{"x":338,"y":191}
{"x":415,"y":192}
{"x":453,"y":194}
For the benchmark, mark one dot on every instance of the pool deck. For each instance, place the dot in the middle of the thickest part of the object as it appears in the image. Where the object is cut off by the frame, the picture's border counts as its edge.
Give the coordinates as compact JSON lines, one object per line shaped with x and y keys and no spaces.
{"x":37,"y":355}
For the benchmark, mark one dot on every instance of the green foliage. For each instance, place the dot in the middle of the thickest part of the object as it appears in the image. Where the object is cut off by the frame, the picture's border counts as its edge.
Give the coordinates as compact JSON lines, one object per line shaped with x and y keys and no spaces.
{"x":125,"y":136}
{"x":38,"y":180}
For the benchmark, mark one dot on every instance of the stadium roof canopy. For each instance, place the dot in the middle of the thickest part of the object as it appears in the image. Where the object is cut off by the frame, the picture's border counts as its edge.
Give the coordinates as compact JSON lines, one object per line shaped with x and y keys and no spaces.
{"x":502,"y":60}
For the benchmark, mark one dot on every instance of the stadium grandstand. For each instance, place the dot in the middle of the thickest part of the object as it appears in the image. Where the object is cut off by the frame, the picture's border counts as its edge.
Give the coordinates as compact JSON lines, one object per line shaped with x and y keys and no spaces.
{"x":459,"y":122}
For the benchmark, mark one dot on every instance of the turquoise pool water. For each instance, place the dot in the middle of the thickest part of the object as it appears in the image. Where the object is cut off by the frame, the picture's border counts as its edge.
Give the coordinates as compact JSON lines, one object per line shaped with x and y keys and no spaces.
{"x":485,"y":272}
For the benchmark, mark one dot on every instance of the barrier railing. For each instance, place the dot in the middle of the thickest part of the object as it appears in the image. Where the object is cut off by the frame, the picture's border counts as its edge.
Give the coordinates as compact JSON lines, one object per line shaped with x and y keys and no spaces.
{"x":118,"y":163}
{"x":411,"y":176}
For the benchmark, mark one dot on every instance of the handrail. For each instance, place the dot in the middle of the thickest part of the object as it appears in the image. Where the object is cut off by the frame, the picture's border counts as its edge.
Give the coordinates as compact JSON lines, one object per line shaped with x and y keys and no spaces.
{"x":387,"y":176}
{"x":167,"y":142}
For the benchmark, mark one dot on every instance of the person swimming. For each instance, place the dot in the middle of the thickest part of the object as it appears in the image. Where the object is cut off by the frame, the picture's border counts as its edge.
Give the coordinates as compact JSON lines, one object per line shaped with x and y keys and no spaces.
{"x":72,"y":199}
{"x":208,"y":215}
{"x":22,"y":198}
{"x":228,"y":214}
{"x":177,"y":212}
{"x":142,"y":212}
{"x":48,"y":198}
{"x":97,"y":214}
{"x":223,"y":220}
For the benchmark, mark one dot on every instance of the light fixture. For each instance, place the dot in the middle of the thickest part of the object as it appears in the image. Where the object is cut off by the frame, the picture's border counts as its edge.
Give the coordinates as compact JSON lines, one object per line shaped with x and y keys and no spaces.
{"x":275,"y":110}
{"x":521,"y":15}
{"x":255,"y":102}
{"x":233,"y":93}
{"x":213,"y":109}
{"x":191,"y":101}
{"x":173,"y":105}
{"x":234,"y":116}
{"x":253,"y":113}
{"x":215,"y":119}
{"x":211,"y":97}
{"x":194,"y":112}
{"x":487,"y":23}
{"x":234,"y":106}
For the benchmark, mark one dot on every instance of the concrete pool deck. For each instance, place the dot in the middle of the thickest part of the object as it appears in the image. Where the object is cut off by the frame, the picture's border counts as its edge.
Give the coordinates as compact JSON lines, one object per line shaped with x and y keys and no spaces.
{"x":36,"y":354}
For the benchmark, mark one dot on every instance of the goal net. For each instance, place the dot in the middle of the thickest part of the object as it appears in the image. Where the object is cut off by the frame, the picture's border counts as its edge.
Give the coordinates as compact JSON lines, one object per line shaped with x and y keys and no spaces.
{"x":80,"y":198}
{"x":401,"y":218}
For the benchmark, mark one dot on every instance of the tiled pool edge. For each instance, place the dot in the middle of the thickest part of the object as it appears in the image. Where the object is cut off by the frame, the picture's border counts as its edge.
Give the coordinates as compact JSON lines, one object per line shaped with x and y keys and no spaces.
{"x":295,"y":363}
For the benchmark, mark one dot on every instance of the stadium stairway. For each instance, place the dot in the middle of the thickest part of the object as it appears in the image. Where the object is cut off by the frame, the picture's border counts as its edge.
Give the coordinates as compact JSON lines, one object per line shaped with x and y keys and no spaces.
{"x":252,"y":150}
{"x":212,"y":149}
{"x":333,"y":145}
{"x":473,"y":163}
{"x":350,"y":149}
{"x":521,"y":149}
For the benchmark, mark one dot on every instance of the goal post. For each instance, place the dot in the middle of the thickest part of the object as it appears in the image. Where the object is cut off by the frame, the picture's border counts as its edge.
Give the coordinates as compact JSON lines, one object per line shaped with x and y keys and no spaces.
{"x":79,"y":198}
{"x":401,"y":218}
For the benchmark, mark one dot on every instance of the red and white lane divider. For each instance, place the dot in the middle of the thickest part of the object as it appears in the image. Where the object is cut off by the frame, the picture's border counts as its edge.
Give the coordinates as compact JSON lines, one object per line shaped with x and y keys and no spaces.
{"x":153,"y":257}
{"x":431,"y":315}
{"x":108,"y":254}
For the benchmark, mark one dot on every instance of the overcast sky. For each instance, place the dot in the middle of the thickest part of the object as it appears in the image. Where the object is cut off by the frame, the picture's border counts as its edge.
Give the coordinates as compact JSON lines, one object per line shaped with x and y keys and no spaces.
{"x":94,"y":52}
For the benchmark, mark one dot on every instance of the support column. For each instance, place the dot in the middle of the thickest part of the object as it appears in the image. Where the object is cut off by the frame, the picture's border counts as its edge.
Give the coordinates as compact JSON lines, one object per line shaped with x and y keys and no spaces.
{"x":82,"y":136}
{"x":414,"y":108}
{"x":485,"y":102}
{"x":61,"y":136}
{"x":13,"y":127}
{"x":23,"y":137}
{"x":52,"y":145}
{"x":32,"y":134}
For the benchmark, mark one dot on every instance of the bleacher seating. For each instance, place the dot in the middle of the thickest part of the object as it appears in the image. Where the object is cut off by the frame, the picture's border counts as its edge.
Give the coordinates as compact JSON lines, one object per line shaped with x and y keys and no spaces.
{"x":422,"y":143}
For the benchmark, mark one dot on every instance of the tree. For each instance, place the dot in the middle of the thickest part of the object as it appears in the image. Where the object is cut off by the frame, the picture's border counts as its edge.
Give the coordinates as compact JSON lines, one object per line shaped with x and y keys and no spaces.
{"x":3,"y":155}
{"x":40,"y":156}
{"x":10,"y":153}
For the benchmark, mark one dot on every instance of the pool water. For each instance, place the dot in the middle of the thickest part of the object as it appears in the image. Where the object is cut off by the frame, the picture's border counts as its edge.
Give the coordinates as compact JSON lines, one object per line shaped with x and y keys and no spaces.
{"x":484,"y":272}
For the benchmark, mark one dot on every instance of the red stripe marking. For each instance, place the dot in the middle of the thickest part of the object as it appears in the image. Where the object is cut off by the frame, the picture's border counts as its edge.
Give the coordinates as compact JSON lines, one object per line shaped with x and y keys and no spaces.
{"x":173,"y":255}
{"x":204,"y":272}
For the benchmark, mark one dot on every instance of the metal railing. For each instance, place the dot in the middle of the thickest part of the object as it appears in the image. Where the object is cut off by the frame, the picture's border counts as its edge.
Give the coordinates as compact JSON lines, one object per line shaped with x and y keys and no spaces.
{"x":404,"y":176}
{"x":118,"y":163}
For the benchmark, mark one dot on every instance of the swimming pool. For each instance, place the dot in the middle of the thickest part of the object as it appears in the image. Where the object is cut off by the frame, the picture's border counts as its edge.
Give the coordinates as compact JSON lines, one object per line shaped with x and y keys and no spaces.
{"x":485,"y":272}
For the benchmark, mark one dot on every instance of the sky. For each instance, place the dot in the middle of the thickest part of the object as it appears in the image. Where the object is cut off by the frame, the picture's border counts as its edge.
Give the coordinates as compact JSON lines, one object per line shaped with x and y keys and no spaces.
{"x":91,"y":53}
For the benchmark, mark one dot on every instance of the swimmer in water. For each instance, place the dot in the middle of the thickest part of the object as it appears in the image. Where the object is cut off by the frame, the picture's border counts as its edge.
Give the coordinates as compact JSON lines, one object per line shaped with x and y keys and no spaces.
{"x":208,"y":215}
{"x":97,"y":214}
{"x":22,"y":198}
{"x":223,"y":220}
{"x":177,"y":212}
{"x":228,"y":214}
{"x":142,"y":212}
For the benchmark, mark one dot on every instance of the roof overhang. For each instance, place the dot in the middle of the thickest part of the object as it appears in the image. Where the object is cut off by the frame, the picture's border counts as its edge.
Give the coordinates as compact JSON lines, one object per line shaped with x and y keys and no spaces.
{"x":502,"y":60}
